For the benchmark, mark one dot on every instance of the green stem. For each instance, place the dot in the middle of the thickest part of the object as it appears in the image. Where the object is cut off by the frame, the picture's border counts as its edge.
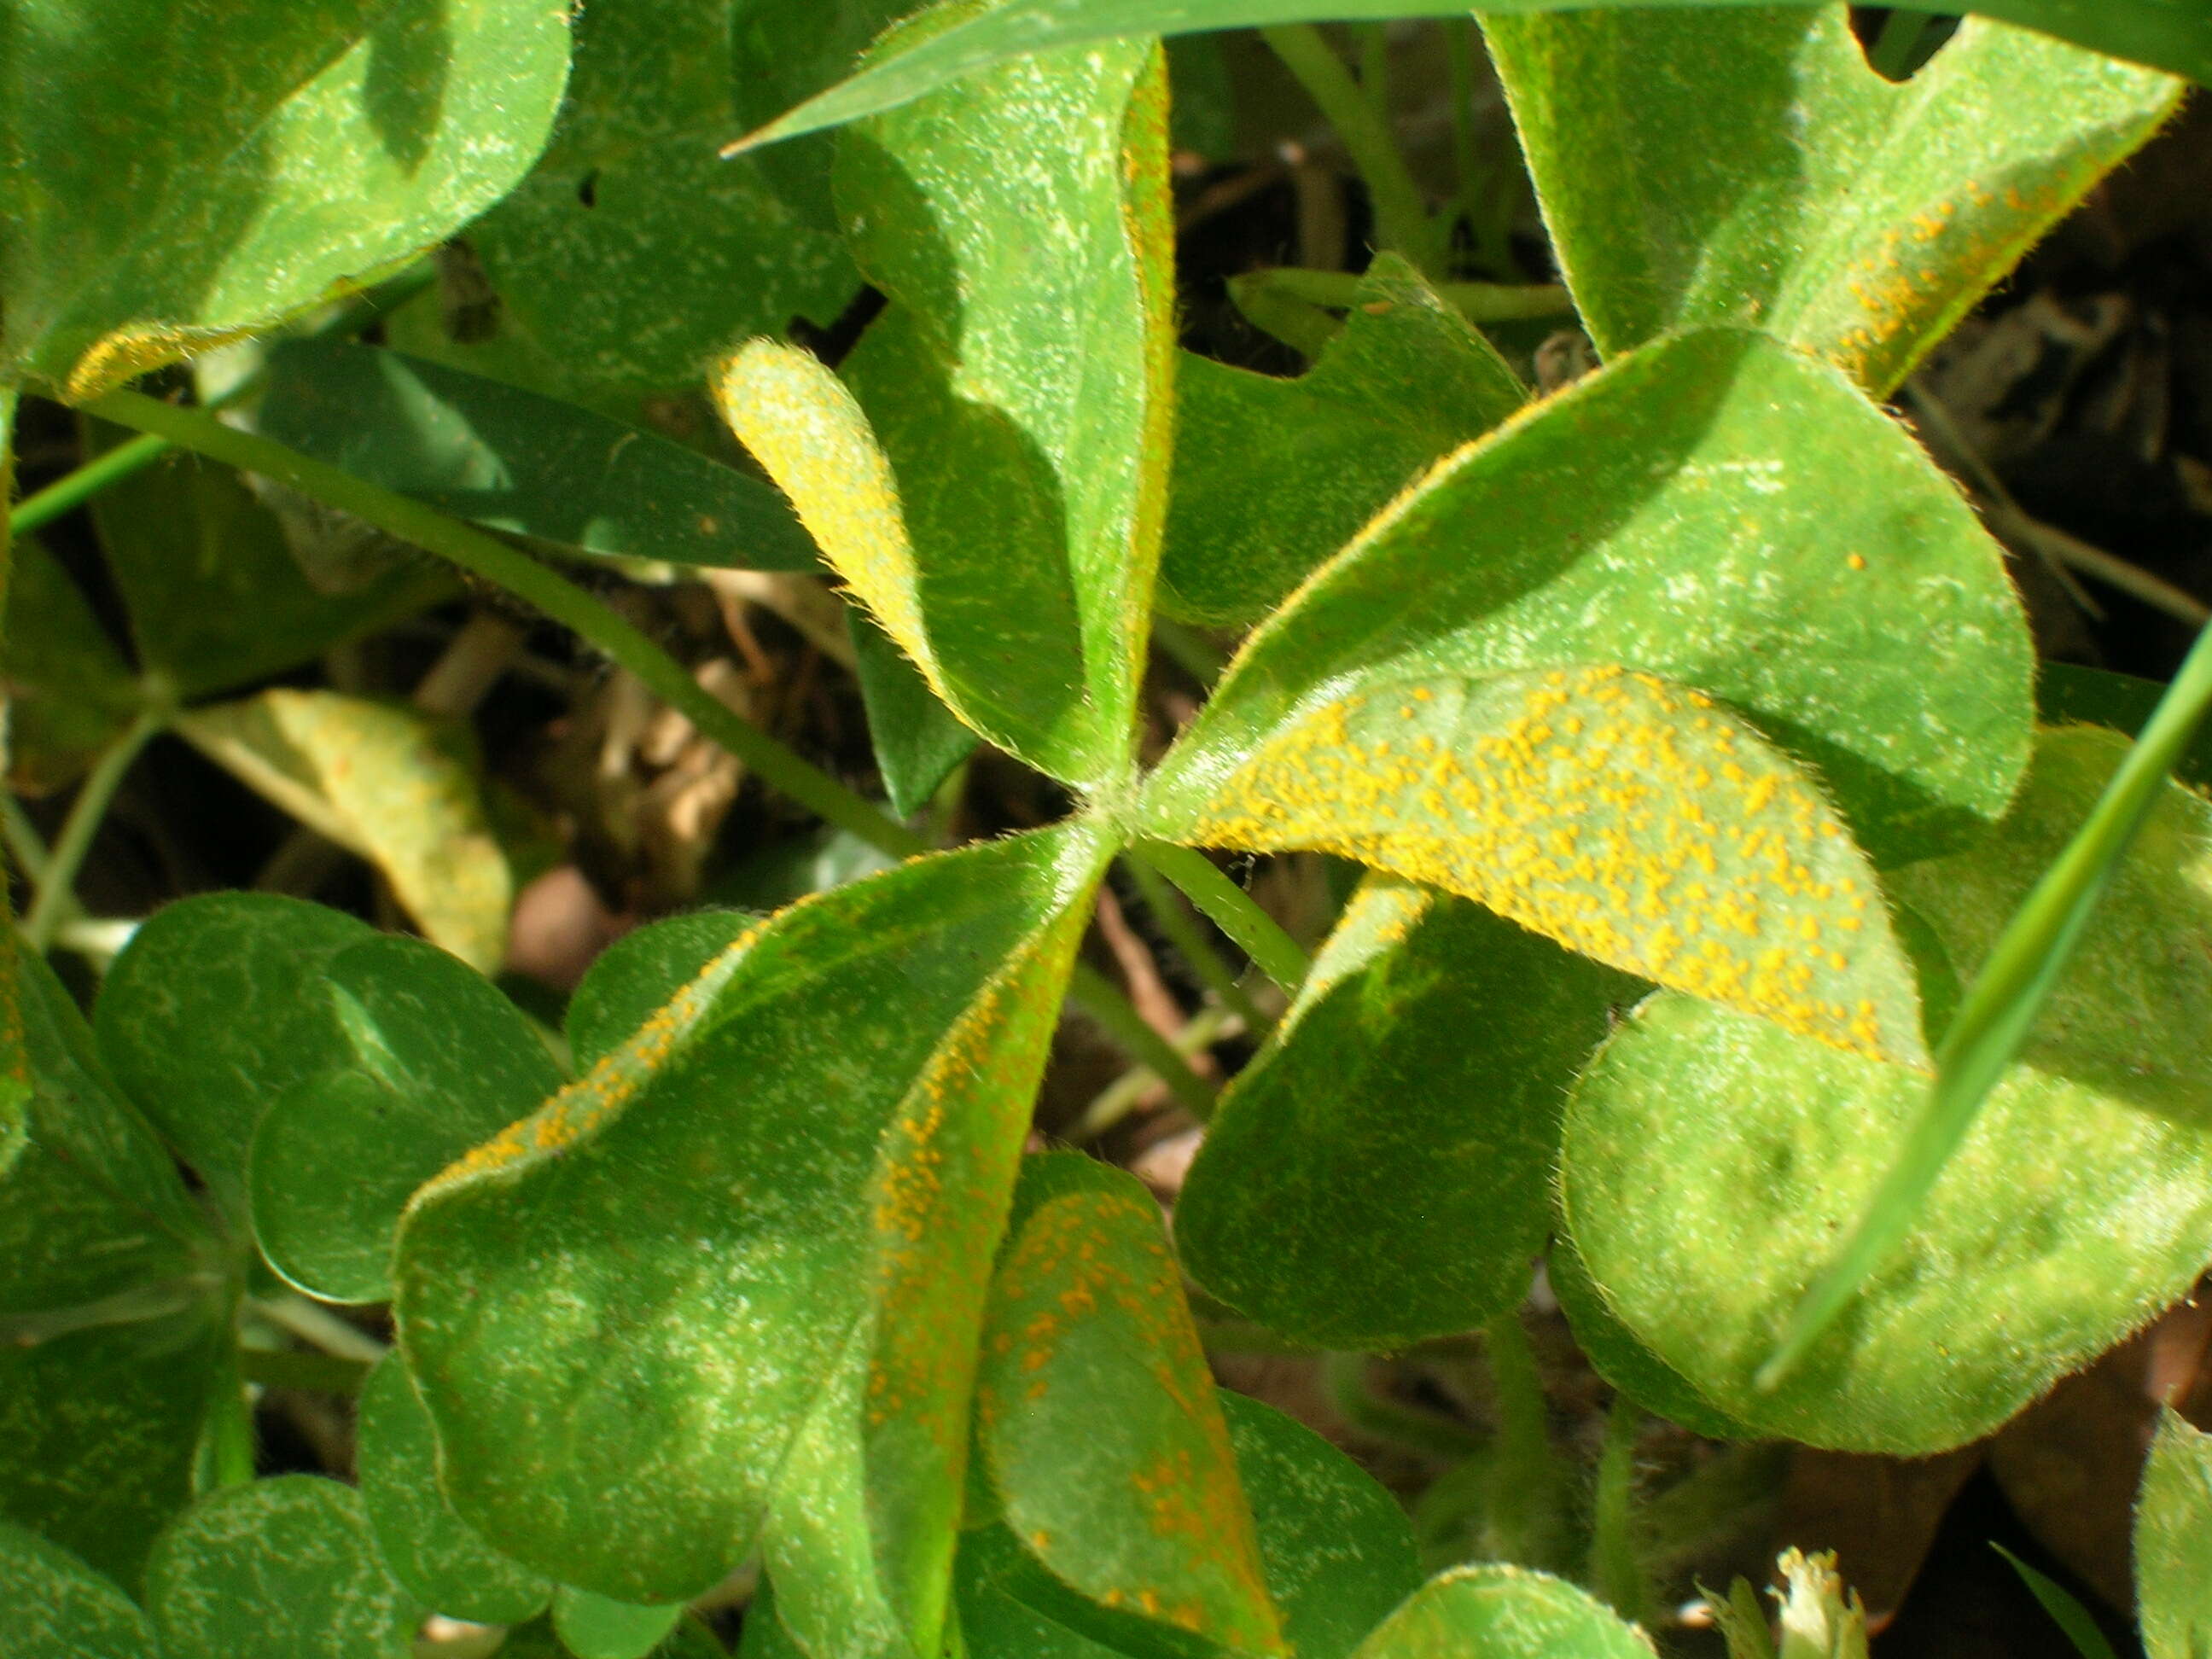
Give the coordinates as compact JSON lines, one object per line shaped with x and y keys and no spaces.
{"x":1402,"y":217}
{"x":1258,"y":934}
{"x":1527,"y":1486}
{"x":778,"y":766}
{"x":1479,"y":302}
{"x":293,"y":1368}
{"x":1344,"y":1376}
{"x":1616,"y":1569}
{"x":1994,"y":1015}
{"x":318,"y":1327}
{"x":51,"y":899}
{"x":1176,"y":921}
{"x":1119,"y":1098}
{"x":1466,"y":149}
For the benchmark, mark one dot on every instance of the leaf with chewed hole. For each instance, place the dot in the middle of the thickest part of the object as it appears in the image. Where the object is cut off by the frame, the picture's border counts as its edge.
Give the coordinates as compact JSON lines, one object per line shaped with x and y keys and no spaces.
{"x":723,"y":1291}
{"x":444,"y":1562}
{"x":1634,"y":821}
{"x":440,"y":1060}
{"x":1781,"y":182}
{"x":1503,"y":1613}
{"x":279,"y":1569}
{"x":1381,"y":1173}
{"x":382,"y":781}
{"x":998,"y":507}
{"x":1711,"y":1161}
{"x":1715,"y":509}
{"x":1273,"y":476}
{"x":59,"y":1608}
{"x":2173,"y":1543}
{"x":1099,"y":1421}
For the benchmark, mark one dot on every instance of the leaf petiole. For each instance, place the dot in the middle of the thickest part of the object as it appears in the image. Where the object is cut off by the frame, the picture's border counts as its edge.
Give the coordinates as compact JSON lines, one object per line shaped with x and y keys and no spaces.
{"x":51,"y":899}
{"x":1231,"y":908}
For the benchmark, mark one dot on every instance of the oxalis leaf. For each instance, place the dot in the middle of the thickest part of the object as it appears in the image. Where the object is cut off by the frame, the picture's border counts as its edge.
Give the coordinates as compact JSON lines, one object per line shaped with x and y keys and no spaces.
{"x":725,"y":1289}
{"x":1272,"y":477}
{"x":59,"y":1608}
{"x":144,"y":215}
{"x":2173,"y":1543}
{"x":1710,"y":1161}
{"x":1381,"y":1173}
{"x":1502,"y":1612}
{"x":1099,"y":1422}
{"x":995,"y":496}
{"x":2170,"y":33}
{"x":1783,"y":182}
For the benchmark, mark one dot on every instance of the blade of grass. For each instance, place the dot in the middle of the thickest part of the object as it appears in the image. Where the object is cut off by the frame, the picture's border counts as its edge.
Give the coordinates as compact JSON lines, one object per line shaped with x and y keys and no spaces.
{"x":1995,"y":1016}
{"x":2066,"y":1612}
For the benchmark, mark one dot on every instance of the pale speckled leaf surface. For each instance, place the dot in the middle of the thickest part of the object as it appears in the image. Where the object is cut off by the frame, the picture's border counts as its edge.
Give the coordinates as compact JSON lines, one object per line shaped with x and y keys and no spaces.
{"x":59,"y":1608}
{"x":1503,"y":1613}
{"x":384,"y":782}
{"x":1381,"y":1172}
{"x":1337,"y":1551}
{"x":1272,"y":477}
{"x":444,"y":1563}
{"x":1713,"y":508}
{"x":256,"y":155}
{"x":2173,"y":1543}
{"x":724,"y":1289}
{"x":634,"y":977}
{"x":1779,"y":182}
{"x":277,"y":1568}
{"x":210,"y":1014}
{"x":2175,"y":34}
{"x":440,"y":1060}
{"x":1710,"y":1161}
{"x":1019,"y":391}
{"x":1099,"y":1421}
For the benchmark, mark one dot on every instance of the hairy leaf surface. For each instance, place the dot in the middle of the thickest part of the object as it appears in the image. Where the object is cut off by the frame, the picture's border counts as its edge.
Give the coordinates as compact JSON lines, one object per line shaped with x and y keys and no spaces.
{"x":2173,"y":1543}
{"x":1782,"y":183}
{"x":634,"y":977}
{"x":1712,"y":1161}
{"x":1272,"y":477}
{"x":1381,"y":1173}
{"x":724,"y":1289}
{"x":182,"y":171}
{"x":1503,"y":1613}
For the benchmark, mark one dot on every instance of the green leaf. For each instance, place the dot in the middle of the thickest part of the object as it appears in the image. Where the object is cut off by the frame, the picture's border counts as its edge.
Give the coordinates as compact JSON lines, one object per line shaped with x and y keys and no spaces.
{"x":2173,"y":1543}
{"x":440,"y":1060}
{"x":1782,"y":183}
{"x":640,"y":972}
{"x":632,"y":256}
{"x":254,"y":158}
{"x":2065,"y":1608}
{"x":594,"y":1627}
{"x":215,"y":596}
{"x":1098,"y":1419}
{"x":998,"y":1586}
{"x":210,"y":1014}
{"x":1018,"y":388}
{"x":917,"y":740}
{"x":101,"y":1429}
{"x":59,"y":1608}
{"x":725,"y":1289}
{"x":1382,"y":1172}
{"x":1710,"y":1161}
{"x":2178,"y":37}
{"x":512,"y":460}
{"x":443,"y":1562}
{"x":2066,"y":692}
{"x":70,"y":692}
{"x":1503,"y":1613}
{"x":1615,"y":1354}
{"x":282,"y":1569}
{"x":383,"y":781}
{"x":1337,"y":1551}
{"x":1713,"y":508}
{"x":1272,"y":477}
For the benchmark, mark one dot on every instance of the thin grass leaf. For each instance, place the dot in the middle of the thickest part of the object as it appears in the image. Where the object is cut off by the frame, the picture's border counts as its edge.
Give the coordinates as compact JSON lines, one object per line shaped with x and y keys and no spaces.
{"x":2066,"y":1610}
{"x":1995,"y":1016}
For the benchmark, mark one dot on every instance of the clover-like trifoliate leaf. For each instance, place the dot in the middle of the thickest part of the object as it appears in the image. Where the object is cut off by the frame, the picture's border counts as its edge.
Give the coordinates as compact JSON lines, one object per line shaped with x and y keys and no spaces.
{"x":1502,"y":1612}
{"x":634,"y":977}
{"x":2173,"y":1543}
{"x":57,"y":1607}
{"x":1782,"y":183}
{"x":445,"y":1563}
{"x":1100,"y":1424}
{"x":279,"y":1569}
{"x":1273,"y":476}
{"x":1714,"y":509}
{"x":1381,"y":1173}
{"x":724,"y":1290}
{"x":998,"y":506}
{"x":179,"y":173}
{"x":1711,"y":1162}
